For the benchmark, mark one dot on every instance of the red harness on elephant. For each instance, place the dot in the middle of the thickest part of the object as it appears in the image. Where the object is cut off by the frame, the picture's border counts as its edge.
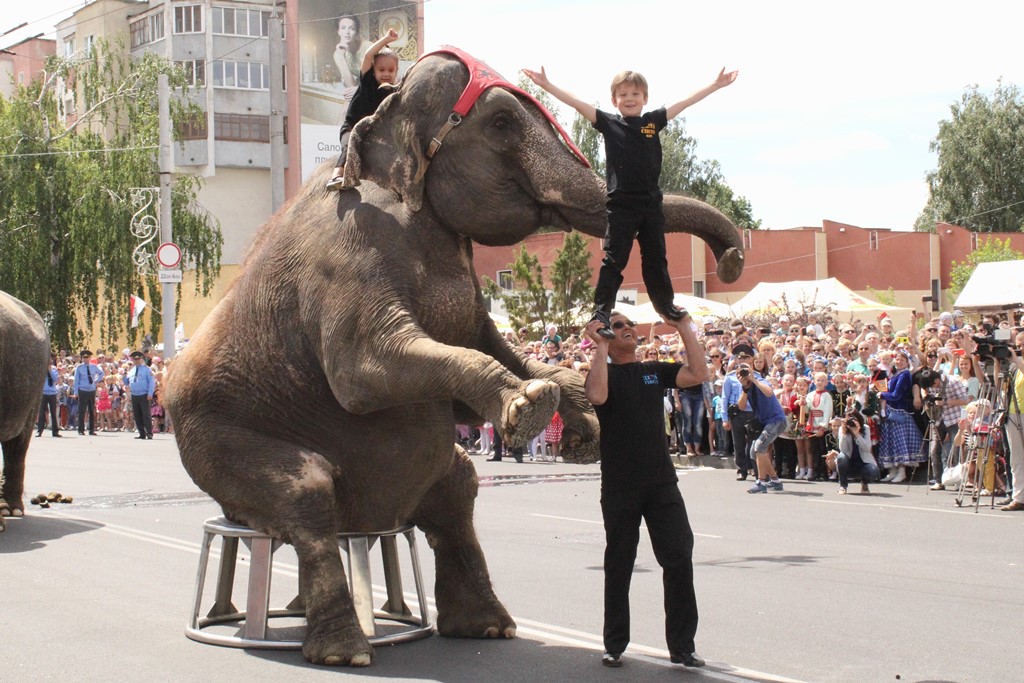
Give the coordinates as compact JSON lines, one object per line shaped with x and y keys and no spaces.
{"x":482,"y":77}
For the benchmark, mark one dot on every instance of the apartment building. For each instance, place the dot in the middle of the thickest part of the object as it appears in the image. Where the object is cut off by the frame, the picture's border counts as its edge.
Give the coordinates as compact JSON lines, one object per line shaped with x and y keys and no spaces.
{"x":223,"y":45}
{"x":23,"y":61}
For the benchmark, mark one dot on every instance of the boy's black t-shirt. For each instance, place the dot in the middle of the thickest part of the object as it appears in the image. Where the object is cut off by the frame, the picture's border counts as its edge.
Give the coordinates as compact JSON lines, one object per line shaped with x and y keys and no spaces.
{"x":632,"y":150}
{"x":634,"y":450}
{"x":367,"y":98}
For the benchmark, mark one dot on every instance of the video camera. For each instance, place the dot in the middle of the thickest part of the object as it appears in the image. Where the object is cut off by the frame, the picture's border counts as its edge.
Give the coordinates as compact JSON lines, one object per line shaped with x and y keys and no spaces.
{"x":994,"y":343}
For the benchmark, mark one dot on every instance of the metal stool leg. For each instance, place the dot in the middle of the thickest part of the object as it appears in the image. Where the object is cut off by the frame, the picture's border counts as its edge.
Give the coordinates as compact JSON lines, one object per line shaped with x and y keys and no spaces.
{"x":204,"y":559}
{"x":359,"y":581}
{"x":225,"y":578}
{"x":393,"y":578}
{"x":257,"y":602}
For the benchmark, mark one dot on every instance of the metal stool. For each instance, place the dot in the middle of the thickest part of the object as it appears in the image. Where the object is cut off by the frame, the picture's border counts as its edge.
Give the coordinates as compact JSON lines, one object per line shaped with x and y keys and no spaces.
{"x":257,"y":610}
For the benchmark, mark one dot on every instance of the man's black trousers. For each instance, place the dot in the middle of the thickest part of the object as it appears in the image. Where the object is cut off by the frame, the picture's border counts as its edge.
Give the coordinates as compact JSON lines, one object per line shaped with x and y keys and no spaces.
{"x":662,"y":508}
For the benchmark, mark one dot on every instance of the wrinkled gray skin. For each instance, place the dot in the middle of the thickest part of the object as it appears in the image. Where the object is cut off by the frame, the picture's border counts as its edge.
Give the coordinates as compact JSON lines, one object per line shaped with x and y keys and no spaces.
{"x":321,"y":394}
{"x":24,"y":359}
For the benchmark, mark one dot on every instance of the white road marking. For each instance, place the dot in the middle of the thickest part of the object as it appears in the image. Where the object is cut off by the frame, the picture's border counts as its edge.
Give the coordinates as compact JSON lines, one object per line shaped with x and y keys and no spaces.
{"x":958,"y":511}
{"x":548,"y":633}
{"x":590,"y":521}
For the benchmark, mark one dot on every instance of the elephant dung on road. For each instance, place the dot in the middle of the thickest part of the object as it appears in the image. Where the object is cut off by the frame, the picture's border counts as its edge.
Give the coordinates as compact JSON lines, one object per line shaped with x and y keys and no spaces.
{"x":321,"y":394}
{"x":24,"y":359}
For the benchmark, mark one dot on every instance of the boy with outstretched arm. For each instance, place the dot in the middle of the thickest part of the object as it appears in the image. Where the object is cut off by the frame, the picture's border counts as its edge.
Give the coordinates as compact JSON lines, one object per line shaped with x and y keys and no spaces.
{"x":379,"y":68}
{"x":633,"y":167}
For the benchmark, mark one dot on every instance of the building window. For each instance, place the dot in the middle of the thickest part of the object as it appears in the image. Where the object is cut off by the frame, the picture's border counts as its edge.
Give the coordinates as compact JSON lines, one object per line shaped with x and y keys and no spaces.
{"x":974,"y":241}
{"x":69,"y":47}
{"x":90,"y":43}
{"x":748,"y":239}
{"x":229,"y":21}
{"x":195,"y":72}
{"x":505,"y":280}
{"x":147,"y":30}
{"x":188,"y":19}
{"x":873,"y":240}
{"x":241,"y":128}
{"x":247,"y":75}
{"x":193,"y":129}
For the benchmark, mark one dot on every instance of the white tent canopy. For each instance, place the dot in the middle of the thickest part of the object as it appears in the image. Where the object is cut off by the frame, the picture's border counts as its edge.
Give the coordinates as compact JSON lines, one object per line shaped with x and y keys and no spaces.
{"x":697,"y":307}
{"x":797,"y":294}
{"x":994,"y":286}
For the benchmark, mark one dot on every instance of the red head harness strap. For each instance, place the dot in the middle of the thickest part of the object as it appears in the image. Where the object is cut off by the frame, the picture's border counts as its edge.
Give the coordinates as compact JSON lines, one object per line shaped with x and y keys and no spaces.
{"x":482,"y":77}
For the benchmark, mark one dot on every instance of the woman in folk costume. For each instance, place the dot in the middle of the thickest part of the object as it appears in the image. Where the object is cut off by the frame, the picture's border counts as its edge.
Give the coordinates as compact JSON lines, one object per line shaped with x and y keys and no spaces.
{"x":901,"y":439}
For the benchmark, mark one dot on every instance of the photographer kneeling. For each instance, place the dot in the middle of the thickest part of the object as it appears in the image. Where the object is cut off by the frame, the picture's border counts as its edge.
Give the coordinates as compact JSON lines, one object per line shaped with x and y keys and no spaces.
{"x":854,"y":456}
{"x":764,"y":427}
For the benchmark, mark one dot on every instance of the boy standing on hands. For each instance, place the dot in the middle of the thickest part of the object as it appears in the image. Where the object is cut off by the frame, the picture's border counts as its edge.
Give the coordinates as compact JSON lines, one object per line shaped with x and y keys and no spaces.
{"x":633,"y":167}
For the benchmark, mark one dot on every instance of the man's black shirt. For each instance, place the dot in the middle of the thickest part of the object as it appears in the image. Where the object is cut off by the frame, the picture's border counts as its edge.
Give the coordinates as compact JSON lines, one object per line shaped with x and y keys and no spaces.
{"x":634,"y":449}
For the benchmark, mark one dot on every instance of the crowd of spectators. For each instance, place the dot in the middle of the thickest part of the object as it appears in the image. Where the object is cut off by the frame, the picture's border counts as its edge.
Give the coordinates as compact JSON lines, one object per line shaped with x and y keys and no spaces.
{"x":892,"y":378}
{"x":112,"y":399}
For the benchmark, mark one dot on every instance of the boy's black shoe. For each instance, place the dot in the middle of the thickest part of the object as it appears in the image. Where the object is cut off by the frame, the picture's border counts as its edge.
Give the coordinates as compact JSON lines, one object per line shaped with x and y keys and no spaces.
{"x":689,"y":659}
{"x":674,"y":312}
{"x":602,"y":317}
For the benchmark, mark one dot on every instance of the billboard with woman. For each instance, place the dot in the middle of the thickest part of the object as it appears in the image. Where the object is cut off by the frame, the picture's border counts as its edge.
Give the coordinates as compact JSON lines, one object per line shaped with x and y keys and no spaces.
{"x":333,"y":36}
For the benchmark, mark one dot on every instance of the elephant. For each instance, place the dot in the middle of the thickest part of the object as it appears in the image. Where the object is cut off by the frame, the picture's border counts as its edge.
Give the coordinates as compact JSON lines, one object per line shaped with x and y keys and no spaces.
{"x":24,"y":360}
{"x":321,"y":394}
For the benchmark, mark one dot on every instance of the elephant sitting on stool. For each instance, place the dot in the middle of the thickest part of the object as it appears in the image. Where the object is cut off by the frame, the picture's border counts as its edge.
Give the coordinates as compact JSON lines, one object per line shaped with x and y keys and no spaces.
{"x":320,"y":395}
{"x":24,"y":359}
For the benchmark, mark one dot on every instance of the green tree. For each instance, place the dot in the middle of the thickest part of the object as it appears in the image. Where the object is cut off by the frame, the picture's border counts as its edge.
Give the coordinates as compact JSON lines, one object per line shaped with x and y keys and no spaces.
{"x":979,"y":180}
{"x":532,"y":305}
{"x":571,"y":291}
{"x":65,"y":242}
{"x":527,"y":305}
{"x":990,"y":250}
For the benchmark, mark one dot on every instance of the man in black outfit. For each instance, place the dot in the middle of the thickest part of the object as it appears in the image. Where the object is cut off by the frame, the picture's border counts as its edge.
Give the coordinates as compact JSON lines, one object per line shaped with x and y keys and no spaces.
{"x":638,"y":481}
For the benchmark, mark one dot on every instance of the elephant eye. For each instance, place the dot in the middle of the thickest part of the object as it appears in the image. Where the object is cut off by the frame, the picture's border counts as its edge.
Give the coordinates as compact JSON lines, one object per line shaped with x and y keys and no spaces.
{"x":501,"y":121}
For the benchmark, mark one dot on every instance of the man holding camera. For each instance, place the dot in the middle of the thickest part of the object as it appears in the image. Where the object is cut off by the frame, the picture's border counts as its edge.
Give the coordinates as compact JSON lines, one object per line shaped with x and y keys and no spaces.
{"x":639,"y":481}
{"x":1015,"y":428}
{"x":735,"y":418}
{"x":767,"y":422}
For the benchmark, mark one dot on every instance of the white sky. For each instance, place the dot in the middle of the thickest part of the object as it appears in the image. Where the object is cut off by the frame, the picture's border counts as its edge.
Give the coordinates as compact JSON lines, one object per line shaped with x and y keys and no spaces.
{"x":831,"y":115}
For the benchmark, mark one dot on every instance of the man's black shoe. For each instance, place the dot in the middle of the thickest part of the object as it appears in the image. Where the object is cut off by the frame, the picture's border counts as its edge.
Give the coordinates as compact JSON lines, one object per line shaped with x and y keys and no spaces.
{"x":81,"y":433}
{"x":674,"y":312}
{"x":58,"y":436}
{"x":690,"y":659}
{"x":493,"y":459}
{"x":139,"y":437}
{"x":39,"y":433}
{"x":92,"y":433}
{"x":614,"y":661}
{"x":741,"y":475}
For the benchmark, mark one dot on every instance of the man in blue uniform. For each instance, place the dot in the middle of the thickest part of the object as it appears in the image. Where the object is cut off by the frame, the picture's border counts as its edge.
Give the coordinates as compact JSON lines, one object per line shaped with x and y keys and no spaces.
{"x":141,"y":383}
{"x":87,"y":376}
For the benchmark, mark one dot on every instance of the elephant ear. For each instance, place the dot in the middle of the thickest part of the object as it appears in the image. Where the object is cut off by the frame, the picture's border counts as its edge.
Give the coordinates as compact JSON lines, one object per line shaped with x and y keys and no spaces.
{"x":390,"y":147}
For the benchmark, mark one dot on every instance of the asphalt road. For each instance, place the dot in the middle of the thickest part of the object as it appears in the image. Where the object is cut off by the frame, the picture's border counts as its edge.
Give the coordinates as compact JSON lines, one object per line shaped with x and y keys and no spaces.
{"x":802,"y":585}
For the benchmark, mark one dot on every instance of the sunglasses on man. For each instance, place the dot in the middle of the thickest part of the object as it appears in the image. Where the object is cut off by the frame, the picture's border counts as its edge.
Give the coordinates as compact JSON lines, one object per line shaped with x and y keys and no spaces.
{"x":619,"y":324}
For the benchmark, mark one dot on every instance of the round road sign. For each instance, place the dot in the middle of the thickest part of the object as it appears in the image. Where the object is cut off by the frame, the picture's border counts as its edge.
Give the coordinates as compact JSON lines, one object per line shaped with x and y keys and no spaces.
{"x":168,"y":254}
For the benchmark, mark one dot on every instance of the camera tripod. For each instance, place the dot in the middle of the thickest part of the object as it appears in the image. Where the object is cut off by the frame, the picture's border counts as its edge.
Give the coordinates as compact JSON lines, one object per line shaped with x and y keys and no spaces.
{"x":979,"y":443}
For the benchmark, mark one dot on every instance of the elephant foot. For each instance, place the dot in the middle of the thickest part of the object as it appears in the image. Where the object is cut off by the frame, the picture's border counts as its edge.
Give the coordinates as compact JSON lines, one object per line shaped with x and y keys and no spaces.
{"x":332,"y":646}
{"x":9,"y":510}
{"x":579,"y":451}
{"x":469,"y":618}
{"x":526,"y":413}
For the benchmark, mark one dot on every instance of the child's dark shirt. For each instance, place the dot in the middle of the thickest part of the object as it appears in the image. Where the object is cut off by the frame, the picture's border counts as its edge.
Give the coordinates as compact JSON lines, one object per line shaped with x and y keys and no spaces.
{"x":632,"y":150}
{"x":367,"y":98}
